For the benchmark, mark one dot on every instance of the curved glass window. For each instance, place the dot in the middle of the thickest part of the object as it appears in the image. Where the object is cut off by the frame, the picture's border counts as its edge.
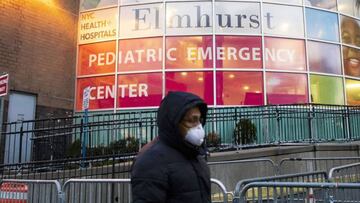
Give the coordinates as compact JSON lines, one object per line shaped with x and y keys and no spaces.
{"x":97,"y":58}
{"x":238,"y":52}
{"x":136,"y":90}
{"x":141,"y":21}
{"x":129,"y":2}
{"x":102,"y":92}
{"x":298,"y":2}
{"x":140,"y":54}
{"x":188,"y":18}
{"x":239,"y":88}
{"x":91,"y":4}
{"x":349,"y":7}
{"x":327,"y":4}
{"x":351,"y":58}
{"x":97,"y":26}
{"x":324,"y":57}
{"x":322,"y":25}
{"x":189,"y":52}
{"x":139,"y":50}
{"x":326,"y":90}
{"x":286,"y":88}
{"x":352,"y":92}
{"x":284,"y":54}
{"x":283,"y":20}
{"x":199,"y":83}
{"x":350,"y":31}
{"x":228,"y":20}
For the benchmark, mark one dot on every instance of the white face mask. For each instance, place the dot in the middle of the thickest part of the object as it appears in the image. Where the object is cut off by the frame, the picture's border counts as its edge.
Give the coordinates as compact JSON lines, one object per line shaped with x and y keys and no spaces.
{"x":195,"y":135}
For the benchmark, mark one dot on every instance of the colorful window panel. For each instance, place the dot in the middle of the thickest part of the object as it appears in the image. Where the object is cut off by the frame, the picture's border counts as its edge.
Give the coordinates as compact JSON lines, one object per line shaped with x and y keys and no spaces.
{"x":239,"y":88}
{"x":139,"y":90}
{"x":199,"y":83}
{"x":326,"y":90}
{"x":286,"y":88}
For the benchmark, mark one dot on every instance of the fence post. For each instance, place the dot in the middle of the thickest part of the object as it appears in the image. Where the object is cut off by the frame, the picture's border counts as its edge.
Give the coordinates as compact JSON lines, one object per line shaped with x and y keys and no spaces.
{"x":348,"y":123}
{"x":140,"y":136}
{"x":277,"y":115}
{"x":85,"y":134}
{"x":21,"y":138}
{"x":152,"y":130}
{"x":310,"y":117}
{"x":61,"y":195}
{"x":236,"y":122}
{"x":89,"y":138}
{"x":81,"y":130}
{"x":112,"y":185}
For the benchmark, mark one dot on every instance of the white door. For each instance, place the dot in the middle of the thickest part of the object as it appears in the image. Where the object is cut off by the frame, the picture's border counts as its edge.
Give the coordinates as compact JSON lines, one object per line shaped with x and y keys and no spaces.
{"x":21,"y":108}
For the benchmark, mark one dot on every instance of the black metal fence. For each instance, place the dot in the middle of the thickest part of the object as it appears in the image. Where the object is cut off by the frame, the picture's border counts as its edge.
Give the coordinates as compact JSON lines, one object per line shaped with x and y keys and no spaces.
{"x":109,"y":166}
{"x":125,"y":132}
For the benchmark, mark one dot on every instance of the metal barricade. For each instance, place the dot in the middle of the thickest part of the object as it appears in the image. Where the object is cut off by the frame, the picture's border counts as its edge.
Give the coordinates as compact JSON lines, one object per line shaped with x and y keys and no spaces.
{"x":96,"y":190}
{"x":229,"y":172}
{"x":29,"y":191}
{"x":221,"y":196}
{"x":298,"y":192}
{"x":91,"y":190}
{"x":302,"y":165}
{"x":347,"y":173}
{"x":319,"y":176}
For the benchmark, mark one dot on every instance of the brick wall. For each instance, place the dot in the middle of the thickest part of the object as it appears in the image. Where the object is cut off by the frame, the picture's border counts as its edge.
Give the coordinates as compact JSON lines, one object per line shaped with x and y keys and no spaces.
{"x":38,"y":50}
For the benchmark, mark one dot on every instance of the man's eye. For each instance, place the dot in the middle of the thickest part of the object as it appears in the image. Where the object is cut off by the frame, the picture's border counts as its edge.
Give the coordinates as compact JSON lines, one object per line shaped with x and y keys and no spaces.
{"x":357,"y":42}
{"x":346,"y":39}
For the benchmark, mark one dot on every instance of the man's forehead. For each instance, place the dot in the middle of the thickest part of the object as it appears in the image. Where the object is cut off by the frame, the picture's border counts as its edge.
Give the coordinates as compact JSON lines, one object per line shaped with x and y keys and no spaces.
{"x":193,"y":111}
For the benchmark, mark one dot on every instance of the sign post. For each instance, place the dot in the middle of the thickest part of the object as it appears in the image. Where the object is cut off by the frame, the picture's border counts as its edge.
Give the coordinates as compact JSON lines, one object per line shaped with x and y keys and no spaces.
{"x":86,"y":98}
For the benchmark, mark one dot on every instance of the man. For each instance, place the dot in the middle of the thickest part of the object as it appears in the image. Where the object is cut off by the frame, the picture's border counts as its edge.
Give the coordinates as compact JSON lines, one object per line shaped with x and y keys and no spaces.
{"x":172,"y":168}
{"x":350,"y":34}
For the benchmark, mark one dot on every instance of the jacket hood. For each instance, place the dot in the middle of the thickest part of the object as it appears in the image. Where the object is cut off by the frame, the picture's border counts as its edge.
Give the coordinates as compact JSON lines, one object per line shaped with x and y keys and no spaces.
{"x":172,"y":109}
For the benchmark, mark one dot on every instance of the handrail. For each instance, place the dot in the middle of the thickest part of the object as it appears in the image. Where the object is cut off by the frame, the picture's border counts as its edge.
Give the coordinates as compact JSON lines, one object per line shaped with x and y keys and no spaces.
{"x":223,"y":189}
{"x":242,"y":183}
{"x":332,"y":170}
{"x":242,"y":193}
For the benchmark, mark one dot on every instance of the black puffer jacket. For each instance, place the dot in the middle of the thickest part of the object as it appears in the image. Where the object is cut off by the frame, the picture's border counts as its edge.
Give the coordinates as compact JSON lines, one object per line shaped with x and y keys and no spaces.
{"x":172,"y":170}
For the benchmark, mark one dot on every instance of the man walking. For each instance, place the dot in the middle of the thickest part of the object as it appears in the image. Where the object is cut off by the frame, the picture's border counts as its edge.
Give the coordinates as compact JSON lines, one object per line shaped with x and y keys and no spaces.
{"x":172,"y":168}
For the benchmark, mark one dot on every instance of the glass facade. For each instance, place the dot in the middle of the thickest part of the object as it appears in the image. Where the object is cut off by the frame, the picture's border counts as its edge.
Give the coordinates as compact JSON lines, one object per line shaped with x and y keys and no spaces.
{"x":231,"y":53}
{"x":326,"y":90}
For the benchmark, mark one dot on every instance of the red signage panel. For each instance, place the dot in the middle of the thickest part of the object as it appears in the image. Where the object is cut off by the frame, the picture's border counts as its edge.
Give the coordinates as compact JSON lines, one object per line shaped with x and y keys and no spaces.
{"x":189,"y":52}
{"x":98,"y":58}
{"x":139,"y":90}
{"x":284,"y":54}
{"x":102,"y":92}
{"x":239,"y":88}
{"x":199,"y":83}
{"x":286,"y":88}
{"x":140,"y":54}
{"x":238,"y":52}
